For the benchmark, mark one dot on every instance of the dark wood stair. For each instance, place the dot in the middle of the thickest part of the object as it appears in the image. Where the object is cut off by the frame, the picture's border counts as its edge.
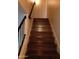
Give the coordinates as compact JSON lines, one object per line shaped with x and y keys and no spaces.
{"x":42,"y":42}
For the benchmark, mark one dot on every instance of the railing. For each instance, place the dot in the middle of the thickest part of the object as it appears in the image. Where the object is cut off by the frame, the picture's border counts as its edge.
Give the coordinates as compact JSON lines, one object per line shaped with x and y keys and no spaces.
{"x":21,"y":44}
{"x":21,"y":23}
{"x":31,"y":10}
{"x":21,"y":35}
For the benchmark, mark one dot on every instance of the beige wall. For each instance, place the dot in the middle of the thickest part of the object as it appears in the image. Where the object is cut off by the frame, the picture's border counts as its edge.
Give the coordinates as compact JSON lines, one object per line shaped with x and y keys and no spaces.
{"x":27,"y":5}
{"x":40,"y":11}
{"x":53,"y":12}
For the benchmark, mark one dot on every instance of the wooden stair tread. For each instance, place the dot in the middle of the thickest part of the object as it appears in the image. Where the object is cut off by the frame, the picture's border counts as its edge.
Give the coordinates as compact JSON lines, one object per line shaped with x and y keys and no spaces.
{"x":42,"y":41}
{"x":43,"y":57}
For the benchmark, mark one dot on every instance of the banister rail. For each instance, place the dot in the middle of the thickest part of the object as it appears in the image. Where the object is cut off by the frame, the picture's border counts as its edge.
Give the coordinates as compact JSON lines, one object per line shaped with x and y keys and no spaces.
{"x":20,"y":31}
{"x":21,"y":23}
{"x":31,"y":10}
{"x":21,"y":44}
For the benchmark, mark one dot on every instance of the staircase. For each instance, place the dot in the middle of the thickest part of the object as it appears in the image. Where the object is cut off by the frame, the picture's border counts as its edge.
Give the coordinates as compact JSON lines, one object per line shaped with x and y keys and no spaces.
{"x":41,"y":44}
